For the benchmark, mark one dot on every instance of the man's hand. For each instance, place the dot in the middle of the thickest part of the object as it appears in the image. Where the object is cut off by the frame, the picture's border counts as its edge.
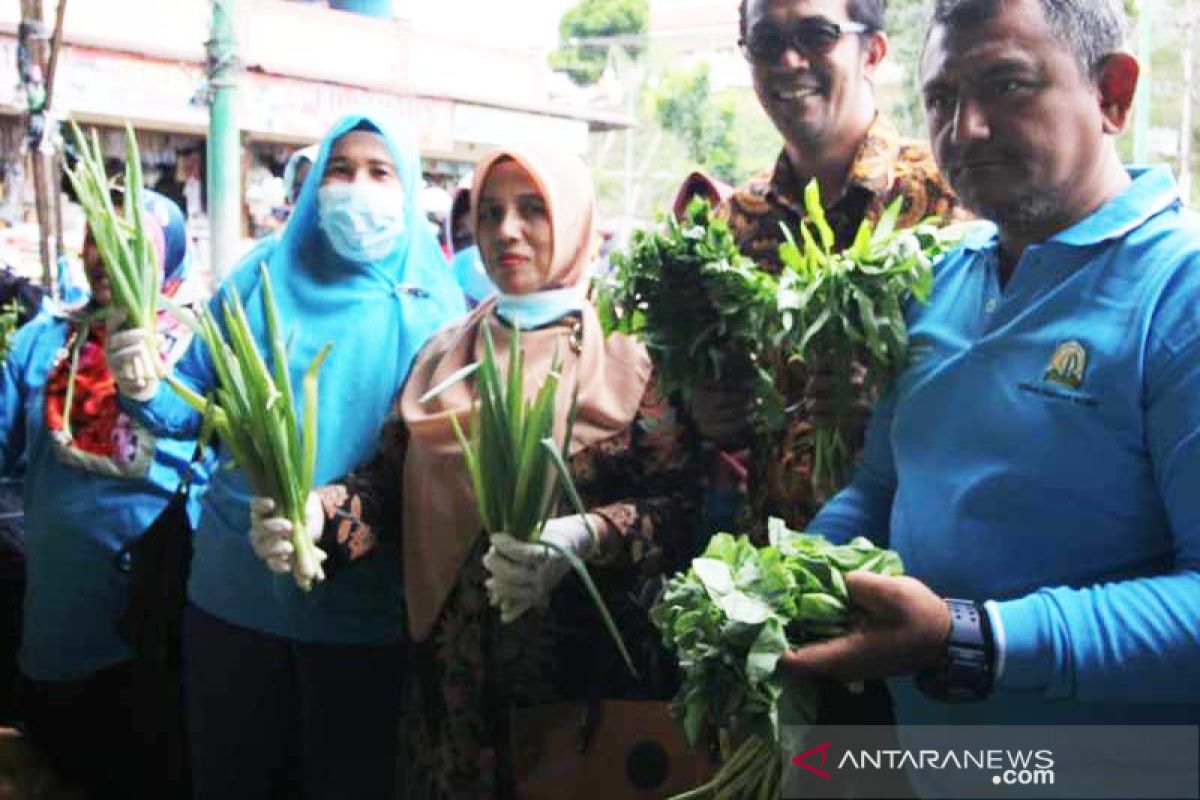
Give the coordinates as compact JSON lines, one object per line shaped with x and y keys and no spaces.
{"x":902,"y":628}
{"x":821,"y":388}
{"x":721,"y":414}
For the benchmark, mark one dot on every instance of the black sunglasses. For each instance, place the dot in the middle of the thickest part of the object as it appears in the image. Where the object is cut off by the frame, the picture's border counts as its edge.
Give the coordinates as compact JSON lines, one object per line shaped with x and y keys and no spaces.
{"x":811,"y":37}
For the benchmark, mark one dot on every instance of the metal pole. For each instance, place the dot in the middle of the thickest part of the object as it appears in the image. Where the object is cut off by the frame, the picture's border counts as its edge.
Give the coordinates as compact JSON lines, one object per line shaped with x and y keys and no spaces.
{"x":1145,"y":92}
{"x":1185,"y":118}
{"x":628,"y":76}
{"x":51,"y":70}
{"x":224,"y":144}
{"x":33,"y":77}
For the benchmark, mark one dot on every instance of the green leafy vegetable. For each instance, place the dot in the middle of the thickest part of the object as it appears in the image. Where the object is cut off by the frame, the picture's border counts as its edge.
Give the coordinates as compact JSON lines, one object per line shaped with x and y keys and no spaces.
{"x":731,"y":616}
{"x":849,"y":305}
{"x":705,"y":312}
{"x":10,"y":320}
{"x":121,"y":238}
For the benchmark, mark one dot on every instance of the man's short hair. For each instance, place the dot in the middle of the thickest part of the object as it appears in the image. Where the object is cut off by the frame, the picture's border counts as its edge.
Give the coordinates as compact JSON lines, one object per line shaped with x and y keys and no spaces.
{"x":1093,"y":29}
{"x":871,"y":13}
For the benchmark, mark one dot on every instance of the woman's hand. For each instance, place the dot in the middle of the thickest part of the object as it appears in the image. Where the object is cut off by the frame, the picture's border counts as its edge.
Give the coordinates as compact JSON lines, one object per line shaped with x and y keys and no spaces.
{"x":523,"y":574}
{"x":271,"y":536}
{"x":132,"y":362}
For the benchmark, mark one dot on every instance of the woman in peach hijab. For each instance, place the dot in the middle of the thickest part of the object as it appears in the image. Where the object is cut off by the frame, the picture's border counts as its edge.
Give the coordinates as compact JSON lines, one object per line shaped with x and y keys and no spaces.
{"x":496,"y":624}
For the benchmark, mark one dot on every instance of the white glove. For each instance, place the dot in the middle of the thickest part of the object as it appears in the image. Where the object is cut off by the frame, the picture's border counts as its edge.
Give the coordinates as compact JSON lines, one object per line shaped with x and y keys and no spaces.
{"x":133,"y":363}
{"x":271,"y":537}
{"x":523,"y":574}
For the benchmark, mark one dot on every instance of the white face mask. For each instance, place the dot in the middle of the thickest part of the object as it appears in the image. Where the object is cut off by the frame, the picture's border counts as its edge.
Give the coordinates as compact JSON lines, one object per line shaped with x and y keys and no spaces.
{"x":363,"y":220}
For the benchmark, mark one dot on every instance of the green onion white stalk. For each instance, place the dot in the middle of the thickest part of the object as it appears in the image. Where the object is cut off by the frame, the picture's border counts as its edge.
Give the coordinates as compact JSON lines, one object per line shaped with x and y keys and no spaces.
{"x":252,"y":411}
{"x":515,"y":466}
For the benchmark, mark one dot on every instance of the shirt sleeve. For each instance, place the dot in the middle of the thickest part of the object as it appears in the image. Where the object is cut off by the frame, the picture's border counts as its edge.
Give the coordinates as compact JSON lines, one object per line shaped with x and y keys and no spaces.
{"x":364,"y":507}
{"x":642,"y":482}
{"x":864,"y":506}
{"x":1134,"y":640}
{"x":13,"y":393}
{"x":168,"y":414}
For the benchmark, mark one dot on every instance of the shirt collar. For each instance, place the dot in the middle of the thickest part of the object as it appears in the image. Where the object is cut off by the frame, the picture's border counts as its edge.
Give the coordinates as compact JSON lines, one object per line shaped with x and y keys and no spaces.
{"x":1153,"y":190}
{"x":873,"y":168}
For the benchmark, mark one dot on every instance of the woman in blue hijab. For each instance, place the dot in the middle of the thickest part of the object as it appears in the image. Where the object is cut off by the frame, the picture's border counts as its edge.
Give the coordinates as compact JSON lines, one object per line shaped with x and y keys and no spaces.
{"x":283,"y":684}
{"x":95,"y":480}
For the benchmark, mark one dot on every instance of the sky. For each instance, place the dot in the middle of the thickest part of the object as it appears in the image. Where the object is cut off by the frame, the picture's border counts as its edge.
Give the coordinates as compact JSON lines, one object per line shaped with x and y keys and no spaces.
{"x":517,"y":23}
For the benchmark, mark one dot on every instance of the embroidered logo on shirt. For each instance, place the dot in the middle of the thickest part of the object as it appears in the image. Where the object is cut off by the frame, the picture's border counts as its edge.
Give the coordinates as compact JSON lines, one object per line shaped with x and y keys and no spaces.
{"x":1067,"y":365}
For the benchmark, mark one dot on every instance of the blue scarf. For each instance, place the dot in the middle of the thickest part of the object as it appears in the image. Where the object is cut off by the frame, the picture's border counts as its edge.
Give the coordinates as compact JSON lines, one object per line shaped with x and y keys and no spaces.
{"x":533,"y":310}
{"x":378,"y":314}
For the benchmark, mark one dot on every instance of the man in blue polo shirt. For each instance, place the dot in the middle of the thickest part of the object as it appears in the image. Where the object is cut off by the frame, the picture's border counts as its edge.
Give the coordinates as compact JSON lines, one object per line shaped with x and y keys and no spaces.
{"x":1040,"y":458}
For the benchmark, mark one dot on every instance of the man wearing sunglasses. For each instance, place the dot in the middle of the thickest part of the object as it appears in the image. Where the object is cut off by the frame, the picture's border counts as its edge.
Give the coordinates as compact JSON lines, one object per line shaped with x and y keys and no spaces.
{"x":813,"y":64}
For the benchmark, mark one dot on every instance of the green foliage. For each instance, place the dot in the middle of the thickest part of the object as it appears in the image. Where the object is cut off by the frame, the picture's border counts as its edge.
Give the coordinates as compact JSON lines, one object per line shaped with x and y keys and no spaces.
{"x":683,"y":104}
{"x":515,"y":466}
{"x":596,"y":18}
{"x":906,"y":23}
{"x":731,"y":616}
{"x":252,"y":410}
{"x":703,"y":309}
{"x":840,"y":306}
{"x":125,"y":248}
{"x":10,"y":317}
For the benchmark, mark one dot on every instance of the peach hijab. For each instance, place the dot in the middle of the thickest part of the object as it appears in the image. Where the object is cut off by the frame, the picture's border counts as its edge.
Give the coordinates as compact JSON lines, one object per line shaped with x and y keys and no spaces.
{"x":441,"y":524}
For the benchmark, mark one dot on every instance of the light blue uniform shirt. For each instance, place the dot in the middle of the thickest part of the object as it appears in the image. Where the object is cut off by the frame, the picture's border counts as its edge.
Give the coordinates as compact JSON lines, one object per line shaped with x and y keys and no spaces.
{"x":378,"y":314}
{"x":1043,"y":451}
{"x":76,"y":520}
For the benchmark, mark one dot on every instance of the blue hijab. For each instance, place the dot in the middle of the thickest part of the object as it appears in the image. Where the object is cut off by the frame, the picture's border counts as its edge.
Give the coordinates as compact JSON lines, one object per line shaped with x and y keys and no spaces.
{"x":378,"y":314}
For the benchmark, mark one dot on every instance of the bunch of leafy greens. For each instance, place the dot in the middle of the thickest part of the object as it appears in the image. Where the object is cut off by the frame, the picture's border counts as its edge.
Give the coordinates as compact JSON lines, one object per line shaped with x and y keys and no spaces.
{"x":704,"y":311}
{"x":10,"y":320}
{"x":838,"y":307}
{"x":731,"y":616}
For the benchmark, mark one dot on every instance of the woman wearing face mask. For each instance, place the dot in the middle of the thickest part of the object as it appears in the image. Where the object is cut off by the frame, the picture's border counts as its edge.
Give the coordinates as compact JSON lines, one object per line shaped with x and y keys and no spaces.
{"x":495,"y":626}
{"x":282,"y":685}
{"x":95,"y":481}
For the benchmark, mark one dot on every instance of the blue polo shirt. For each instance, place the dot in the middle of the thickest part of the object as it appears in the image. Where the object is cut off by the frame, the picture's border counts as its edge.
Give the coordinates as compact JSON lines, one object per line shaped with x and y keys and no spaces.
{"x":77,"y":518}
{"x":1042,"y":451}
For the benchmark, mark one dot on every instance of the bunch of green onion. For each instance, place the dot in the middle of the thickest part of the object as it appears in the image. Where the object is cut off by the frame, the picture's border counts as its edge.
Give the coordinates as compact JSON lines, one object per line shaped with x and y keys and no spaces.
{"x":127,"y":252}
{"x":253,"y":412}
{"x":515,"y":466}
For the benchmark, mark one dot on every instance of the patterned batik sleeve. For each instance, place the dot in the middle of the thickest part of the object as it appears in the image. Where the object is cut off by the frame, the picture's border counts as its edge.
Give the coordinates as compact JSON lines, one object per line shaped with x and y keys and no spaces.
{"x":365,"y":505}
{"x":646,"y":483}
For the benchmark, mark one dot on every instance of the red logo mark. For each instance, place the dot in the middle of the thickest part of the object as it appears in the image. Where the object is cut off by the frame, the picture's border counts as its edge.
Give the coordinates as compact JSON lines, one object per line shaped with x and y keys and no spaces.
{"x":823,"y":749}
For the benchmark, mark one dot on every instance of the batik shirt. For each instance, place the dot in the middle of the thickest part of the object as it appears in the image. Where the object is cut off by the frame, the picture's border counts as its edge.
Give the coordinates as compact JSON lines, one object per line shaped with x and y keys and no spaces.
{"x":885,"y":167}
